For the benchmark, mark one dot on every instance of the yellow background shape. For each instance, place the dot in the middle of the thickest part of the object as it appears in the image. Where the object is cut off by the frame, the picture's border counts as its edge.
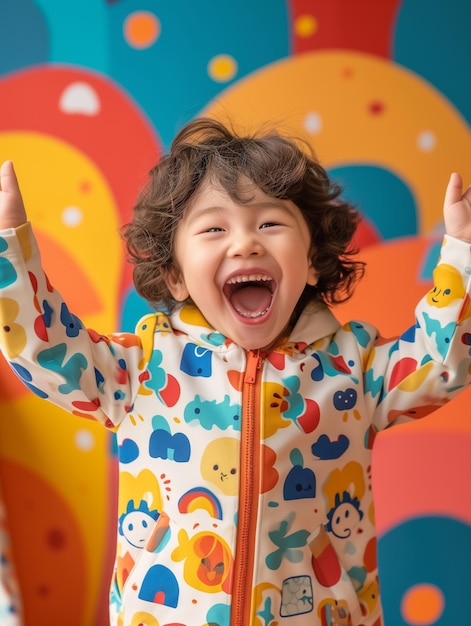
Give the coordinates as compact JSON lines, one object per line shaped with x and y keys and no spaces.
{"x":57,"y":180}
{"x":355,"y":108}
{"x":71,"y":455}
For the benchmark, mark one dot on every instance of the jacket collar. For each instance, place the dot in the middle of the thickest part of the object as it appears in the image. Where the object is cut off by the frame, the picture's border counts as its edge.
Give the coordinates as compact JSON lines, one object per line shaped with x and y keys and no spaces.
{"x":316,"y":322}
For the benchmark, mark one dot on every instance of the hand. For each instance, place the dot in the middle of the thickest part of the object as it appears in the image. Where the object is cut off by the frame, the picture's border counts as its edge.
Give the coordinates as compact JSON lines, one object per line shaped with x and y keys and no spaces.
{"x":457,"y":209}
{"x":12,"y":210}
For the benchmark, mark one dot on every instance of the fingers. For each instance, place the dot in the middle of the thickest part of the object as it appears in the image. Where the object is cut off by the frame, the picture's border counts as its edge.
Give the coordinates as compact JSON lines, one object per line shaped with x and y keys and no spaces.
{"x":12,"y":210}
{"x":467,"y":199}
{"x":454,"y":190}
{"x":8,"y":181}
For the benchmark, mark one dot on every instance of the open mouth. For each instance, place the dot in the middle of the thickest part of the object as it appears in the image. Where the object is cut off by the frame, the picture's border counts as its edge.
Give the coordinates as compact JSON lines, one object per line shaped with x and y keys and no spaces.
{"x":250,"y":295}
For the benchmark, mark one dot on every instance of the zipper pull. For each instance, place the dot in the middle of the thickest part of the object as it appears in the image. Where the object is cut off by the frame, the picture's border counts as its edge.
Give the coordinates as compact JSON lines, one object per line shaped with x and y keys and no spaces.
{"x":254,"y":363}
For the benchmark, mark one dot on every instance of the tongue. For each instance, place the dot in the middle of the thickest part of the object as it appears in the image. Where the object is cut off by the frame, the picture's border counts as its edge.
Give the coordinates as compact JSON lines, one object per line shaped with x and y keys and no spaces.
{"x":251,"y":300}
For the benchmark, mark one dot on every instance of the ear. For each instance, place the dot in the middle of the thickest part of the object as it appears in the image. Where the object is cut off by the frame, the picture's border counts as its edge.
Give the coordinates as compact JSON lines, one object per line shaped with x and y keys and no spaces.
{"x":176,"y":285}
{"x":312,"y":275}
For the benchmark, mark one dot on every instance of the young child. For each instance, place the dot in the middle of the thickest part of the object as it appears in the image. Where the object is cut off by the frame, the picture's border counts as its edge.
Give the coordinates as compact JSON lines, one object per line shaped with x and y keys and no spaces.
{"x":245,"y":414}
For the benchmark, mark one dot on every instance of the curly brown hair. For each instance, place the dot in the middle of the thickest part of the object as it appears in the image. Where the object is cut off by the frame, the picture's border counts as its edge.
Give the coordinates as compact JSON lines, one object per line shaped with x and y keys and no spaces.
{"x":206,"y":149}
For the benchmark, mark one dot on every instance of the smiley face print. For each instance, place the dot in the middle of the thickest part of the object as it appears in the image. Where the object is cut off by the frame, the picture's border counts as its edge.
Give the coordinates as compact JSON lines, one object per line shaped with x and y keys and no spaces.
{"x":220,"y":465}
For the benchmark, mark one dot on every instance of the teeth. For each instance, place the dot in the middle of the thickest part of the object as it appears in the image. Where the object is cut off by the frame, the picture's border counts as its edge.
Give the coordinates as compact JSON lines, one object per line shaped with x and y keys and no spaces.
{"x":252,"y":315}
{"x":250,"y":278}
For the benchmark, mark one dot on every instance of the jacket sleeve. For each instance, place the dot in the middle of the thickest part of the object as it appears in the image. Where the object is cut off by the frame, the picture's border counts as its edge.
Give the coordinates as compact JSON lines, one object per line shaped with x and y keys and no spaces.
{"x":430,"y":362}
{"x":49,"y":348}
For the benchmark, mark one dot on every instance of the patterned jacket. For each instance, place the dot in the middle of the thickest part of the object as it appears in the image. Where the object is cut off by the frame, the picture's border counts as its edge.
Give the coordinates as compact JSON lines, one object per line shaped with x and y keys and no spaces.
{"x":245,"y":477}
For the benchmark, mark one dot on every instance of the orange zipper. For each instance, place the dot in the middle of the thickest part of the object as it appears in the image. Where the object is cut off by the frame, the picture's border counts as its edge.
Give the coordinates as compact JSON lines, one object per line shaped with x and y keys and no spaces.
{"x":241,"y":612}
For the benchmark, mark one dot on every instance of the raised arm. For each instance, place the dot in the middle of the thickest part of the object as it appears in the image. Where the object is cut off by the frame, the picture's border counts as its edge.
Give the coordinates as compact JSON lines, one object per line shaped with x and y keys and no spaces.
{"x":12,"y":210}
{"x":47,"y":346}
{"x":430,"y":362}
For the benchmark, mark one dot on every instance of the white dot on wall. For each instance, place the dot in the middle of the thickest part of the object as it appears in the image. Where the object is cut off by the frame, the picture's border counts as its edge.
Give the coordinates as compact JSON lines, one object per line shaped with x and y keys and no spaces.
{"x":79,"y":98}
{"x":427,"y":141}
{"x":72,"y":216}
{"x":313,"y":123}
{"x":84,"y":440}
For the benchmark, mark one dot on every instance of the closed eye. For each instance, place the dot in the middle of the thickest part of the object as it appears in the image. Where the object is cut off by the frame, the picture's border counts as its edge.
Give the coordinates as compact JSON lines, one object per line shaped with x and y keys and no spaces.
{"x":270,"y":224}
{"x":213,"y":229}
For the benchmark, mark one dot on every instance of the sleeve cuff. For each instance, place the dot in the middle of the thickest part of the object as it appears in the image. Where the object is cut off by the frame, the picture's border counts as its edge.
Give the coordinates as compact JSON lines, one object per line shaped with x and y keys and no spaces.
{"x":457,"y":253}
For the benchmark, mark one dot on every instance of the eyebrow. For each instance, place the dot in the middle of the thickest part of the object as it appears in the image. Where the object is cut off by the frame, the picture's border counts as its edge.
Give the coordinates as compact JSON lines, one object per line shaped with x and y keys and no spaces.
{"x":274,"y":203}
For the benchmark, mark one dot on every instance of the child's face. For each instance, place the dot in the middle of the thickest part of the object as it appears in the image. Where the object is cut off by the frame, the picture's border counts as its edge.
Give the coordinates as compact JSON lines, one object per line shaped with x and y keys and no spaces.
{"x":243,"y":265}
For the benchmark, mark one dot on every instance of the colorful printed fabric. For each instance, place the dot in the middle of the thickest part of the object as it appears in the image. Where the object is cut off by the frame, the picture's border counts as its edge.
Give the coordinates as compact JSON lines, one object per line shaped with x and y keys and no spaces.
{"x":245,"y":478}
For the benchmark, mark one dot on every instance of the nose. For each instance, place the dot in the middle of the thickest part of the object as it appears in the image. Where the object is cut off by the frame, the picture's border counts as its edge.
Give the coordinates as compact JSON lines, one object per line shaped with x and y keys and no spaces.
{"x":245,"y":244}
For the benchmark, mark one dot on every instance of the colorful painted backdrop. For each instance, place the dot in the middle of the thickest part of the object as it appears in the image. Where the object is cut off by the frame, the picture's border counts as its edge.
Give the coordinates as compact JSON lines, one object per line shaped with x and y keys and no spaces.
{"x":91,"y":94}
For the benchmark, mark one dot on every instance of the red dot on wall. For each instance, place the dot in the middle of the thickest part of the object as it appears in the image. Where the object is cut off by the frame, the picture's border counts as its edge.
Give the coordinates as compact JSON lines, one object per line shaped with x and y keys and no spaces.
{"x":55,"y":539}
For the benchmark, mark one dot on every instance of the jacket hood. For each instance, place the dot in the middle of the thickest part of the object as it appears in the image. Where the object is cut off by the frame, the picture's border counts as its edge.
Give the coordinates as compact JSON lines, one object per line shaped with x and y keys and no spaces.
{"x":316,"y":322}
